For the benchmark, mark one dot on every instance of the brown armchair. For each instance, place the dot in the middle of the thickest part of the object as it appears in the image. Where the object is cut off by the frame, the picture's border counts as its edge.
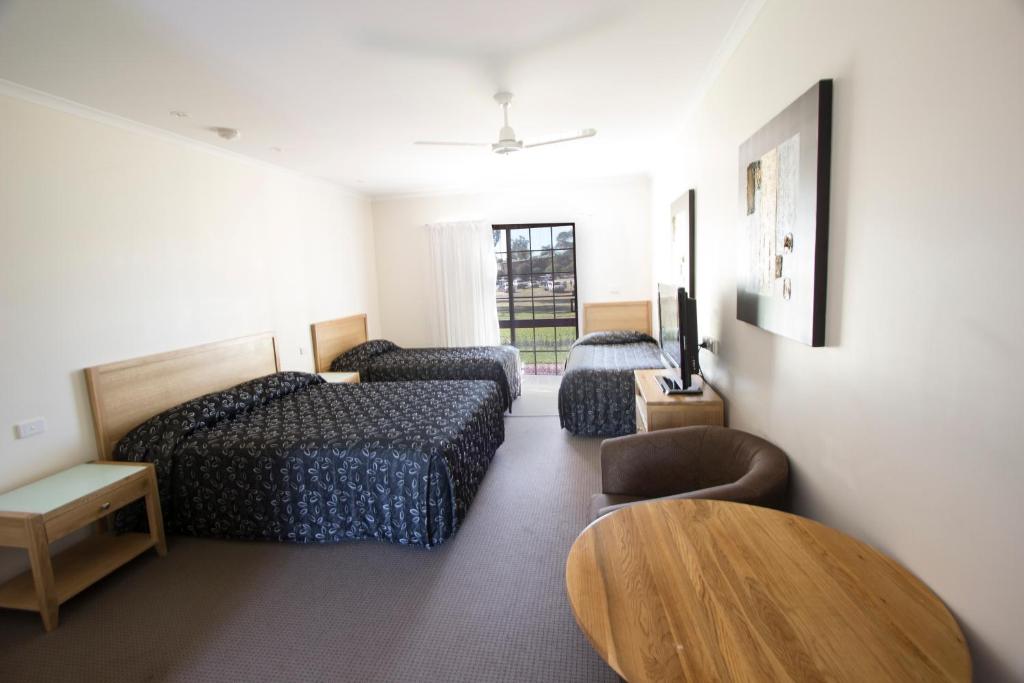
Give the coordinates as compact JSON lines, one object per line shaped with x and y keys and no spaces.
{"x":691,"y":462}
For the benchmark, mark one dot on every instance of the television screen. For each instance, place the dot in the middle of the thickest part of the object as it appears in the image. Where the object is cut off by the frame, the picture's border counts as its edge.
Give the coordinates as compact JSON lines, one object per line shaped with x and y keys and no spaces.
{"x":668,"y":329}
{"x":677,"y":317}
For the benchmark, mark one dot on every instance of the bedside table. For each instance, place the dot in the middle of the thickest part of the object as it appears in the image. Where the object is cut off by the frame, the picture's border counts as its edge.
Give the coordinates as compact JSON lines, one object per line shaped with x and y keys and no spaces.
{"x":36,"y":515}
{"x":657,"y":410}
{"x":340,"y":377}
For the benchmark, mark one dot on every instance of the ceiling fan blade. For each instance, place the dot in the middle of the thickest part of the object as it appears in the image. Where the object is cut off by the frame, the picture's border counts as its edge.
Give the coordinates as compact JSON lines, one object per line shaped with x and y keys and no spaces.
{"x":451,"y":144}
{"x":585,"y":133}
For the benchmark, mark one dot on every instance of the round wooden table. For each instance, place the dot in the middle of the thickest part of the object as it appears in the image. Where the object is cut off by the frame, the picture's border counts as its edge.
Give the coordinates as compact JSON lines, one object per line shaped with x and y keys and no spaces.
{"x":701,"y":590}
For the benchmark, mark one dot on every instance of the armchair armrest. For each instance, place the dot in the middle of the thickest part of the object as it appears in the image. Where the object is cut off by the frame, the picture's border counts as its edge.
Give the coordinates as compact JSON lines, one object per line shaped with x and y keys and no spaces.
{"x":727,"y":492}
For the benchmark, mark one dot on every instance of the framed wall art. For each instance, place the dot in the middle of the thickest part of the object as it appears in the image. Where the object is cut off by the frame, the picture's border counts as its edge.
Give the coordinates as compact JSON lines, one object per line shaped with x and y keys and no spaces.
{"x":784,"y":205}
{"x":684,"y":248}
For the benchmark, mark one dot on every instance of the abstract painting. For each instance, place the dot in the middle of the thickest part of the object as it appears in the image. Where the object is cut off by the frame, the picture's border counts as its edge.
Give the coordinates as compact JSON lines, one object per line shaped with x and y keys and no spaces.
{"x":784,"y":201}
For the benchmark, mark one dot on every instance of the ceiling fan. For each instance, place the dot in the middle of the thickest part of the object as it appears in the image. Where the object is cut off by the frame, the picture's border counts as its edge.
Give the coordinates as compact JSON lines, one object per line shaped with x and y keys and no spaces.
{"x":507,"y":142}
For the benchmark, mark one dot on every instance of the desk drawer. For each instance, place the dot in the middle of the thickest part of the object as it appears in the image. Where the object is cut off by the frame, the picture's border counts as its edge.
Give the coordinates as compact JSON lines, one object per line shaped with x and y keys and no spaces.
{"x":96,"y":505}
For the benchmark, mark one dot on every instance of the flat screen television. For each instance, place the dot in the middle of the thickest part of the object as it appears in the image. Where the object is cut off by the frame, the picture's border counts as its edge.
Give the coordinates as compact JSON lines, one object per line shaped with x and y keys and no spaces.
{"x":677,"y":328}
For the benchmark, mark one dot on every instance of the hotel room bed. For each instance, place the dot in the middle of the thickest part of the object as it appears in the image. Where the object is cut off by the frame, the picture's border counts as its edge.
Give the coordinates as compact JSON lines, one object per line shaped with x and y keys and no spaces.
{"x":383,"y":361}
{"x":341,"y":346}
{"x":289,"y":457}
{"x":597,"y":396}
{"x":286,"y":456}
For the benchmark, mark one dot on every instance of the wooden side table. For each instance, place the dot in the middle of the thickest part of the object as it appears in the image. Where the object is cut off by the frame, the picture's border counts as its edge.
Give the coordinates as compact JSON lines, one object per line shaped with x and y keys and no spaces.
{"x":340,"y":377}
{"x":657,"y":410}
{"x":36,"y":515}
{"x":705,"y":590}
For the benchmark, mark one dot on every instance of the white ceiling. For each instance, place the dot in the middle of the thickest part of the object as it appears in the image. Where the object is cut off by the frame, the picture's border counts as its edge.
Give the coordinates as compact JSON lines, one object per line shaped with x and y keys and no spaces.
{"x":343,"y":87}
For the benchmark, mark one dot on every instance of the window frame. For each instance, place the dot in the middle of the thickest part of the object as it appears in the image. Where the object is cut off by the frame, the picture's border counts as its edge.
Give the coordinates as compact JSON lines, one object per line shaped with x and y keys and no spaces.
{"x":513,"y":323}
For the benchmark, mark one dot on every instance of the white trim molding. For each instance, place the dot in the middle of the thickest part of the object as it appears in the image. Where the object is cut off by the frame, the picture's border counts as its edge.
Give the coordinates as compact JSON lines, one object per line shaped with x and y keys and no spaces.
{"x":44,"y":99}
{"x":733,"y":37}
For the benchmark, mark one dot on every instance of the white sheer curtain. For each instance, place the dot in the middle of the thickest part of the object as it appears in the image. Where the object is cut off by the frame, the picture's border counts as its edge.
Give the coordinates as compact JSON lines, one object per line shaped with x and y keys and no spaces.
{"x":464,"y":272}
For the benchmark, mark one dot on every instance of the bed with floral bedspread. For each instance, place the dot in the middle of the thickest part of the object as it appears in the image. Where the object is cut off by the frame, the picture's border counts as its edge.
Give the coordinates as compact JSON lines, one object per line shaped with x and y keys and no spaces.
{"x":596,"y":396}
{"x":380,"y":360}
{"x":289,"y":457}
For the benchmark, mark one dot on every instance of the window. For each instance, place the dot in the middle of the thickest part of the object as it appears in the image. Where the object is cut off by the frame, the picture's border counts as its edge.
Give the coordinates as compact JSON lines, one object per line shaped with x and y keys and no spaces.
{"x":536,"y":292}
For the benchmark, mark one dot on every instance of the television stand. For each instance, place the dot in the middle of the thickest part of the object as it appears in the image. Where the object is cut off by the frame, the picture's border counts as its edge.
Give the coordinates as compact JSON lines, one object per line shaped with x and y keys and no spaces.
{"x":673,"y":387}
{"x":657,"y":410}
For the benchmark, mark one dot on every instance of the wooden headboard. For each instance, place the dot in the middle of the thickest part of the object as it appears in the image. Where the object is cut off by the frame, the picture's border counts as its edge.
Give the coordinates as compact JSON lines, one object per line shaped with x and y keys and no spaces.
{"x":617,"y":315}
{"x":123,"y":395}
{"x":331,"y":338}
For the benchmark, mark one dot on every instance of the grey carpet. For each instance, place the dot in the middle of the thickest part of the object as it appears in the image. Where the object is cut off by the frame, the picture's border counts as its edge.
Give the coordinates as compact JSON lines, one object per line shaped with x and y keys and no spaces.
{"x":488,"y":605}
{"x":539,"y":397}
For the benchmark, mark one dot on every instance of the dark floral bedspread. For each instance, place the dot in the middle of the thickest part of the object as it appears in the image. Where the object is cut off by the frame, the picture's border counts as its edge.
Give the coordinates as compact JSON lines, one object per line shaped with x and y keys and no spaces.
{"x":596,"y":397}
{"x":380,"y":360}
{"x":288,"y":457}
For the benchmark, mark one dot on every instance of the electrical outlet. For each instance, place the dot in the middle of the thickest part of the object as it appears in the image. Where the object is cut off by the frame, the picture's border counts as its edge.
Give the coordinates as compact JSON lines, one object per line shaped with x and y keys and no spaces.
{"x":28,"y":428}
{"x":710,"y":343}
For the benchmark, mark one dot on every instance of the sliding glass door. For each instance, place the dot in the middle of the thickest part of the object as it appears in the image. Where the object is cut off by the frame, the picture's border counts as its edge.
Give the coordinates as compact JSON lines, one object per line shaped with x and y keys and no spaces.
{"x":536,"y":292}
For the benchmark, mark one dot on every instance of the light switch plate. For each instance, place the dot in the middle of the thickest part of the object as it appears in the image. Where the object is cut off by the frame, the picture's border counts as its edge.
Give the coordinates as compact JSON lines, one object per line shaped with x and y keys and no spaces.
{"x":28,"y":428}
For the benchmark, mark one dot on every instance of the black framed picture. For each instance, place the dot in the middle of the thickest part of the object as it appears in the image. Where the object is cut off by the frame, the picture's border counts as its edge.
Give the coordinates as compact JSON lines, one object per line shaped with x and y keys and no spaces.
{"x":784,"y":204}
{"x":684,"y":241}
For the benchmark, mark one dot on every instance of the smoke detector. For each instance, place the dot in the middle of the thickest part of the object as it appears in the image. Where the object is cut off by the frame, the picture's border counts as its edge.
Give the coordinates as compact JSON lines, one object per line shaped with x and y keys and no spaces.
{"x":227,"y":133}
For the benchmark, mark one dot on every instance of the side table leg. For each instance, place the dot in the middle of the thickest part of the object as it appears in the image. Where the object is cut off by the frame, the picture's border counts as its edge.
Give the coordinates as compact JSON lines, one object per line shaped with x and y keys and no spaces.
{"x":155,"y":517}
{"x":42,"y":571}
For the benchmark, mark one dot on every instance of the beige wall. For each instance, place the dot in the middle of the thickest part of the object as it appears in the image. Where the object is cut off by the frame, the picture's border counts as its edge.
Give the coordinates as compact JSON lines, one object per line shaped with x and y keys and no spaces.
{"x":612,"y":242}
{"x":118,"y":243}
{"x":906,"y":431}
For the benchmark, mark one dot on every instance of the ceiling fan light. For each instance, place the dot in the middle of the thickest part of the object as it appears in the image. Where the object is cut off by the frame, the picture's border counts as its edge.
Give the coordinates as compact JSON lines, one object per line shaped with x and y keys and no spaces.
{"x":507,"y":146}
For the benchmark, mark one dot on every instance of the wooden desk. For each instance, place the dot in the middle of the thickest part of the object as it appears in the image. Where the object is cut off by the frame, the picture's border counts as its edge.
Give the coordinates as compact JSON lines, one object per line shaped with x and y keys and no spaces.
{"x":657,"y":410}
{"x":36,"y":515}
{"x":701,"y":590}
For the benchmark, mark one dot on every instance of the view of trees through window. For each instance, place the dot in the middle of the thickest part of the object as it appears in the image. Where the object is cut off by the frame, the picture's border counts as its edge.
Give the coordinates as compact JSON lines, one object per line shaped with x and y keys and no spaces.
{"x":536,"y":292}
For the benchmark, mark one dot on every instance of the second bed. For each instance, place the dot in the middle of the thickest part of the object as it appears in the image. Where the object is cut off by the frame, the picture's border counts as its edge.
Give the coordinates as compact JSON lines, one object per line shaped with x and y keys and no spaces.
{"x":343,"y":345}
{"x":597,"y":393}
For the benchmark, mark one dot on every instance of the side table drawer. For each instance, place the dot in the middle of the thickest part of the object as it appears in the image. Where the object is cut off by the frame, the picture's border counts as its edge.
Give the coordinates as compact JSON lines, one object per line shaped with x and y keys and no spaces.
{"x":94,"y":506}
